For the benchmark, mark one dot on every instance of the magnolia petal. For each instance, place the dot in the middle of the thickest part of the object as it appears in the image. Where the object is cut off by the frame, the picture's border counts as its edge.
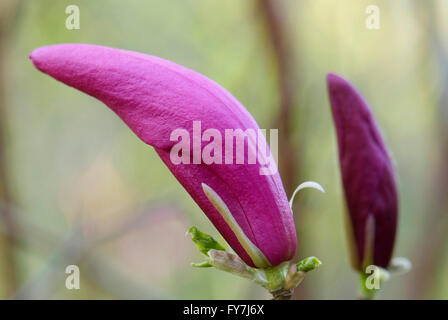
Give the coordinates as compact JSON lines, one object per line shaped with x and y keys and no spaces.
{"x":369,"y":242}
{"x":255,"y":254}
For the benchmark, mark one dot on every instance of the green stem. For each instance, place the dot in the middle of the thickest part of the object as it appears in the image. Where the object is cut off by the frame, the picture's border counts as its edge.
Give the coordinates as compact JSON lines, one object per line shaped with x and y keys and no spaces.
{"x":364,"y":292}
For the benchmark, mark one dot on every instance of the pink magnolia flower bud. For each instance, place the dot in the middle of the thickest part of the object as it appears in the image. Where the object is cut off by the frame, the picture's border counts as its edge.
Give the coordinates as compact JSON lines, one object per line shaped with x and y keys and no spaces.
{"x":154,"y":97}
{"x":367,"y":176}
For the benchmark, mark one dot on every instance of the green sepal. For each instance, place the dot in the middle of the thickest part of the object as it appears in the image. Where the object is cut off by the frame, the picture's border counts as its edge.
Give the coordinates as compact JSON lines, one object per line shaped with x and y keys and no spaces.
{"x":275,"y":276}
{"x":308,"y":264}
{"x":204,"y":242}
{"x":203,"y":264}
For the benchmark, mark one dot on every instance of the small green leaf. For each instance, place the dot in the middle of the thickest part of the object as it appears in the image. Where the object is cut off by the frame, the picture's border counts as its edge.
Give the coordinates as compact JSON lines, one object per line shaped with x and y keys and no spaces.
{"x":203,"y":264}
{"x":204,"y":242}
{"x":308,"y":264}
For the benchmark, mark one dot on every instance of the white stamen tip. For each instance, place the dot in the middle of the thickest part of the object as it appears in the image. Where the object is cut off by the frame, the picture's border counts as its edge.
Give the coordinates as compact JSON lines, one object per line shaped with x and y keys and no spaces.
{"x":400,"y":265}
{"x":304,"y":185}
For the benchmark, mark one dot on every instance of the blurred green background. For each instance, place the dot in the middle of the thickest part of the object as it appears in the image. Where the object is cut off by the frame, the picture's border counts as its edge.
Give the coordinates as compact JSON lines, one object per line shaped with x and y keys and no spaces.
{"x":77,"y":186}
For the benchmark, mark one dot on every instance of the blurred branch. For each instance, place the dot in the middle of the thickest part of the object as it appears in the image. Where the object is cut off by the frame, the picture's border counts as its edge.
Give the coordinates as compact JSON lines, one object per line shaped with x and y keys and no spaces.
{"x":44,"y":284}
{"x":138,"y":219}
{"x":76,"y":249}
{"x":275,"y":23}
{"x":274,"y":19}
{"x":8,"y":259}
{"x":101,"y":272}
{"x":27,"y":234}
{"x":434,"y":241}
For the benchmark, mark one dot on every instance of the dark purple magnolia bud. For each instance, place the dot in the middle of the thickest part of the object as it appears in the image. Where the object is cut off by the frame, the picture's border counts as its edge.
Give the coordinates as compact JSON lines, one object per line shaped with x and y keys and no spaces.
{"x":367,"y":176}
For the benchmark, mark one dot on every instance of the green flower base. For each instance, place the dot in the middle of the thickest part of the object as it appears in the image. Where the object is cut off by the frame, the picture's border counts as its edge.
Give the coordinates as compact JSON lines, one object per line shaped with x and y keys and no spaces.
{"x":280,"y":280}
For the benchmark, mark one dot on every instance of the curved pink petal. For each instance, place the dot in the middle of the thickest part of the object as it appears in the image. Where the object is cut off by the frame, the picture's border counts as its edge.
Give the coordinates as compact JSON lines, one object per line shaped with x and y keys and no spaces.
{"x":154,"y":97}
{"x":367,"y":172}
